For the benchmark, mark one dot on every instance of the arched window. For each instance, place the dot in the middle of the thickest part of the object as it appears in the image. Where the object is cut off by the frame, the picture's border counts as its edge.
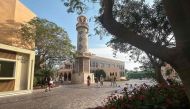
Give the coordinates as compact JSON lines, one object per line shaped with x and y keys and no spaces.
{"x":113,"y":74}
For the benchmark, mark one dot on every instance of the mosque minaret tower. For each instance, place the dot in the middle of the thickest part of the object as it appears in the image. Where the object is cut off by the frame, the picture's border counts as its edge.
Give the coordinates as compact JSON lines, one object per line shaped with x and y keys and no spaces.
{"x":82,"y":37}
{"x":82,"y":60}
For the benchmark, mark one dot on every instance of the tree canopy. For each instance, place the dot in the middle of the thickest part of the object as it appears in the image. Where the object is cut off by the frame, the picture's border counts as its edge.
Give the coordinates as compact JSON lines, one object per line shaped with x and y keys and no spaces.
{"x":150,"y":22}
{"x":52,"y":44}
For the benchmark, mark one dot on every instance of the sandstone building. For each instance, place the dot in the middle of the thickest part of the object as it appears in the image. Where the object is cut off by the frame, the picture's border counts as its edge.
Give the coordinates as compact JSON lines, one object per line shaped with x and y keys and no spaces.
{"x":111,"y":67}
{"x":16,"y":56}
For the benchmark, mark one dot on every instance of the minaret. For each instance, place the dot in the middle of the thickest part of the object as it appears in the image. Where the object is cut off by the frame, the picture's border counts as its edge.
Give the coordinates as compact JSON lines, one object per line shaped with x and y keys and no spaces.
{"x":82,"y":37}
{"x":82,"y":61}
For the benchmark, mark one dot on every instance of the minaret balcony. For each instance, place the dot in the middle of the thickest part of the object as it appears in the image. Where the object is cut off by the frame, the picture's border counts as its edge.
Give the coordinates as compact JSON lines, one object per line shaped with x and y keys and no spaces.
{"x":85,"y":25}
{"x":84,"y":54}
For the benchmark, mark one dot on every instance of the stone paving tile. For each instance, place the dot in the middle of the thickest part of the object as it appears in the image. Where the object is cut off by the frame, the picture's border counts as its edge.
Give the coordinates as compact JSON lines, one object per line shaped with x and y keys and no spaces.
{"x":64,"y":97}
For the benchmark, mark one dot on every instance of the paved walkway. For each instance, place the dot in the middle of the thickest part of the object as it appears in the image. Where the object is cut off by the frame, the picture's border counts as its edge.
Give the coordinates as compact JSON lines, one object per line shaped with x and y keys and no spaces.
{"x":64,"y":97}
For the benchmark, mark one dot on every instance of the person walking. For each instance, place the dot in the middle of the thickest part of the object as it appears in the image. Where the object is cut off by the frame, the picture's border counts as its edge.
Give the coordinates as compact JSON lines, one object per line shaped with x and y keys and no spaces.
{"x":51,"y":84}
{"x":88,"y":80}
{"x":96,"y":81}
{"x":114,"y":81}
{"x":101,"y":81}
{"x":61,"y":77}
{"x":47,"y":79}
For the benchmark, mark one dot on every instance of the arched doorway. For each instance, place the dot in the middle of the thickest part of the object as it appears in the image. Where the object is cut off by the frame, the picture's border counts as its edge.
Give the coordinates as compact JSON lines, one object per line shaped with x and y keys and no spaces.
{"x":65,"y":76}
{"x":69,"y":77}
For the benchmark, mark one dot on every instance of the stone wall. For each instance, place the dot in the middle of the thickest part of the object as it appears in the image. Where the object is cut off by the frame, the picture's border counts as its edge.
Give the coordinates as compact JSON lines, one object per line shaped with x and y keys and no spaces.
{"x":81,"y":78}
{"x":13,"y":14}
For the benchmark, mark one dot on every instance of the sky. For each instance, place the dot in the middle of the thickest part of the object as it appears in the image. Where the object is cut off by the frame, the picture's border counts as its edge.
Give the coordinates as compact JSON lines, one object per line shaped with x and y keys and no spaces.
{"x":55,"y":11}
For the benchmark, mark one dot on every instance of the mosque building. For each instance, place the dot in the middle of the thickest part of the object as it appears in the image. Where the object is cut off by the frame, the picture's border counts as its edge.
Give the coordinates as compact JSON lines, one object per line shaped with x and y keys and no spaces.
{"x":87,"y":63}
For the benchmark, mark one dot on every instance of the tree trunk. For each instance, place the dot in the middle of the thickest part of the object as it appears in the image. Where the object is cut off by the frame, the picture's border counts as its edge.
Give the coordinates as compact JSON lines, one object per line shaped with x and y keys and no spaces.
{"x":159,"y":78}
{"x":39,"y":60}
{"x":37,"y":63}
{"x":179,"y":17}
{"x":182,"y":66}
{"x":157,"y":68}
{"x":185,"y":77}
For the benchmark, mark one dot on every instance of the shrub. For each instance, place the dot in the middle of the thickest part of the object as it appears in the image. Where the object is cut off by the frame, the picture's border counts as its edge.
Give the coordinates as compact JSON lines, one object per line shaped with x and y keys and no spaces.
{"x":35,"y":82}
{"x":99,"y":72}
{"x":141,"y":74}
{"x":39,"y":76}
{"x":149,"y":97}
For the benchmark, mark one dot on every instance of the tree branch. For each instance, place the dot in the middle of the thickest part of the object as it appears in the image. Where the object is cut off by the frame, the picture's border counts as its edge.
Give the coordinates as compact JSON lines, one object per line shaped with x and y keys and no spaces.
{"x":171,"y":38}
{"x":119,"y":30}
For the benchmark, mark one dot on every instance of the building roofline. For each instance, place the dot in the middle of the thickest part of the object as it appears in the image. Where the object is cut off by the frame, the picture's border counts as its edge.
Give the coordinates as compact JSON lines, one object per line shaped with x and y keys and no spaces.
{"x":95,"y":56}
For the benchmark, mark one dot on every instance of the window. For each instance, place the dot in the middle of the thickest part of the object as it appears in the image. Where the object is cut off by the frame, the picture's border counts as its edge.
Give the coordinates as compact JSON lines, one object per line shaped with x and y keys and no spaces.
{"x":120,"y":67}
{"x":96,"y":65}
{"x":93,"y":64}
{"x":121,"y":74}
{"x":67,"y":66}
{"x":113,"y":65}
{"x":7,"y":68}
{"x":102,"y":65}
{"x":111,"y":74}
{"x":108,"y":65}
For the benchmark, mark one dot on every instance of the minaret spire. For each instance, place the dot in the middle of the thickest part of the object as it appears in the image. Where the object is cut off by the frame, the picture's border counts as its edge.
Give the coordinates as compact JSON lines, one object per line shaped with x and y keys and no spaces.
{"x":82,"y":37}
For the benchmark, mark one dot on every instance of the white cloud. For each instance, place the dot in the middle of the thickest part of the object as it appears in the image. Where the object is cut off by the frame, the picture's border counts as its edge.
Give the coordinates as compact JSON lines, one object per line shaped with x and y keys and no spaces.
{"x":107,"y":52}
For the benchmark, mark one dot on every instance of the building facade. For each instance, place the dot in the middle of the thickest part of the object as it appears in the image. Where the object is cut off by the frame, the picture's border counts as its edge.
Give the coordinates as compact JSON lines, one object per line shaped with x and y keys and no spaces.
{"x":16,"y":56}
{"x":65,"y":71}
{"x":112,"y":67}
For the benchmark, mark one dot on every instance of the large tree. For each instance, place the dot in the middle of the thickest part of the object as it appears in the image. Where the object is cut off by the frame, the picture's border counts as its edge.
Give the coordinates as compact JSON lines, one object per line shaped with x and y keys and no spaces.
{"x":52,"y":44}
{"x":147,"y":21}
{"x":178,"y":14}
{"x":179,"y":56}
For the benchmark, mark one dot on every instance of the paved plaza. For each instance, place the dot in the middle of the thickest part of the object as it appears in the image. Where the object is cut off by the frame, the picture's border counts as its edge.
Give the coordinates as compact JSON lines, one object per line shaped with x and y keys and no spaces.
{"x":64,"y":97}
